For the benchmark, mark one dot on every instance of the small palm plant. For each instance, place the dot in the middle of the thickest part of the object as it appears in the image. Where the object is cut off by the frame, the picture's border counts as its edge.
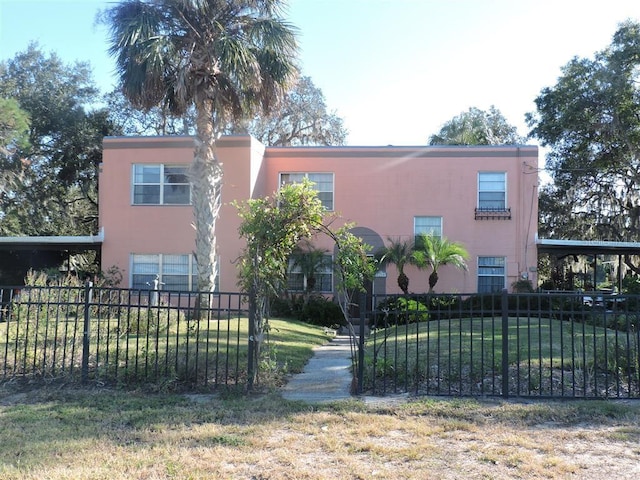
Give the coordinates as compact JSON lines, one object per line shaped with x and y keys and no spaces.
{"x":434,"y":252}
{"x":400,"y":254}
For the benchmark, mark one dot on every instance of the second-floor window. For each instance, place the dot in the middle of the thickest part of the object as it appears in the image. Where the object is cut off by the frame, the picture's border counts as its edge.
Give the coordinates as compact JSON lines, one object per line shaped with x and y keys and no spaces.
{"x":322,"y":183}
{"x":492,"y":191}
{"x":161,"y":185}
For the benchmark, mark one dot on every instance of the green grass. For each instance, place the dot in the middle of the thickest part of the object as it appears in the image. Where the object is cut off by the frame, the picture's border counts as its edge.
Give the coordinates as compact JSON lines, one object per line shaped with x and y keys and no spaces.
{"x":293,"y":342}
{"x":462,"y":356}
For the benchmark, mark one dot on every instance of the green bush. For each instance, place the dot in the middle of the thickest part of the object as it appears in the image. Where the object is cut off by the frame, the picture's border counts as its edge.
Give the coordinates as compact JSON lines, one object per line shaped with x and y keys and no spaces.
{"x":280,"y":307}
{"x":321,"y":311}
{"x":316,"y":310}
{"x":400,"y":311}
{"x":522,"y":286}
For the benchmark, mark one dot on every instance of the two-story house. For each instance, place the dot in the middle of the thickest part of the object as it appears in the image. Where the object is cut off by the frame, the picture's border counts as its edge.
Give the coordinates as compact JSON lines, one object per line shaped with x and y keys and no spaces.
{"x":484,"y":197}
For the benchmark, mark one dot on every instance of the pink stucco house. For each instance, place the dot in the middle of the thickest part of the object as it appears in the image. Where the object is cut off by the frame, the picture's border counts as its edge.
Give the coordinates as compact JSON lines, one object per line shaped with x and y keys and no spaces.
{"x":484,"y":197}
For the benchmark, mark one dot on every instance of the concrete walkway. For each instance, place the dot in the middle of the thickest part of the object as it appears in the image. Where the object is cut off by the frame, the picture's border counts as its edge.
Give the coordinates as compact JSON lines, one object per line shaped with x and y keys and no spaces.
{"x":327,"y":377}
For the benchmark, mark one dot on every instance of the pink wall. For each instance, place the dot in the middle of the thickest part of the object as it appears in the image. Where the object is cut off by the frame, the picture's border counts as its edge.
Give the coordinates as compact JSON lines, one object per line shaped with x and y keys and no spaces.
{"x":383,"y":188}
{"x":140,"y":229}
{"x":380,"y":188}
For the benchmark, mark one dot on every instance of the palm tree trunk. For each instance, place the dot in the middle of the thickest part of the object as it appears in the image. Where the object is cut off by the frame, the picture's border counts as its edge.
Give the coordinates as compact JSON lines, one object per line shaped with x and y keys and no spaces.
{"x":206,"y":179}
{"x":403,"y":283}
{"x":433,"y":279}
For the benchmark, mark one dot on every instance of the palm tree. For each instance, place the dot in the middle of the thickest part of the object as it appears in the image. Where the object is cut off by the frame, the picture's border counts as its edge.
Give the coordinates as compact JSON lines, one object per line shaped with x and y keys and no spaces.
{"x":434,"y":252}
{"x":224,"y":58}
{"x":400,"y":254}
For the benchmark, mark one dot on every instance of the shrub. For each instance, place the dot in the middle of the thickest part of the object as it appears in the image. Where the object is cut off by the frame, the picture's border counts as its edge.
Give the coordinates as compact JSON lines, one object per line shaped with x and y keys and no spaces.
{"x":320,"y":311}
{"x":280,"y":307}
{"x":522,"y":286}
{"x":400,"y":311}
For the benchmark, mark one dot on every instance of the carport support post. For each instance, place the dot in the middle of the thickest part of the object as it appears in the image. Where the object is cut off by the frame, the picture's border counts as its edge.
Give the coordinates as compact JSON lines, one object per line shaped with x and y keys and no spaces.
{"x":252,"y":332}
{"x":505,"y":343}
{"x":85,"y":332}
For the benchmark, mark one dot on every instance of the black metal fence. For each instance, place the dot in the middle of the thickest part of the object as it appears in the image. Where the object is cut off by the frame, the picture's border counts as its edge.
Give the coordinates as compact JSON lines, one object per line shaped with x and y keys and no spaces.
{"x":552,"y":345}
{"x":126,"y":337}
{"x":568,"y":345}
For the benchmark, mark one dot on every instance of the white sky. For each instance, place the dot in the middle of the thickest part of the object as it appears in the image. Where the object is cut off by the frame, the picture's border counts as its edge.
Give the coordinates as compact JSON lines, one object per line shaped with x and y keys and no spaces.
{"x":395,"y":70}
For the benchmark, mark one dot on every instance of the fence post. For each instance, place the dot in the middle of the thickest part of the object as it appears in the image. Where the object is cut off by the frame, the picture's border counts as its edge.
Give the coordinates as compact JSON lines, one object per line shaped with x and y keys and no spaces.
{"x":85,"y":333}
{"x":361,"y":333}
{"x":252,"y":331}
{"x":505,"y":343}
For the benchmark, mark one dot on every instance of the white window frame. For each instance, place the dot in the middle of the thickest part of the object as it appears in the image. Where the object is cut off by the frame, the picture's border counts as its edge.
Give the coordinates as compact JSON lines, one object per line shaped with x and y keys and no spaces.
{"x":436,"y":231}
{"x":160,"y":266}
{"x":161,"y":184}
{"x":330,"y":208}
{"x":482,"y":204}
{"x":493,"y":273}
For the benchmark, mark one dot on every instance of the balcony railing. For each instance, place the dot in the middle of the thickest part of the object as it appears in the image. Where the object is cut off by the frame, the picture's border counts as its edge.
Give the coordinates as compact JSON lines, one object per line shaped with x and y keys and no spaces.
{"x":489,"y":213}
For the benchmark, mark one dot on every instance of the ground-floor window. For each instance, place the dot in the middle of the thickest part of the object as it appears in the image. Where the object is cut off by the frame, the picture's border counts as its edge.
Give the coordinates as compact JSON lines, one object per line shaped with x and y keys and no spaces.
{"x":313,"y":274}
{"x":426,"y":226}
{"x":168,"y":271}
{"x":491,"y":274}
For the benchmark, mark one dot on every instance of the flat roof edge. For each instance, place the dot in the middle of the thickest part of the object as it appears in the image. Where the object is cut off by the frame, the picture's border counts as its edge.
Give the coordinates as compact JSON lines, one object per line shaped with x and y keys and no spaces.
{"x":587,"y":247}
{"x":585,"y":243}
{"x":63,"y":240}
{"x":170,"y":141}
{"x":484,"y":151}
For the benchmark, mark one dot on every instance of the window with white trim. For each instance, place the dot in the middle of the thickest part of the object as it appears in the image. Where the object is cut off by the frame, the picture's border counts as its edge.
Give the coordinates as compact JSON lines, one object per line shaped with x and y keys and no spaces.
{"x":322,"y":183}
{"x":175,"y":272}
{"x":492,"y":191}
{"x":426,"y":226}
{"x":299,"y":281}
{"x":160,"y":185}
{"x":491,"y":274}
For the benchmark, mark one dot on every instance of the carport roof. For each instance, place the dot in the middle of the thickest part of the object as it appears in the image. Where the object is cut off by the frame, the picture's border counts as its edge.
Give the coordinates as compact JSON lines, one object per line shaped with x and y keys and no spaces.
{"x":61,"y":243}
{"x":587,"y":247}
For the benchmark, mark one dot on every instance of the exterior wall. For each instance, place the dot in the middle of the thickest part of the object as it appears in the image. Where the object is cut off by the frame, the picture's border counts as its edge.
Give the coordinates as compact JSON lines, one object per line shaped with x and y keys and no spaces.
{"x":384,"y":188}
{"x":381,"y":189}
{"x":140,"y":229}
{"x":168,"y":229}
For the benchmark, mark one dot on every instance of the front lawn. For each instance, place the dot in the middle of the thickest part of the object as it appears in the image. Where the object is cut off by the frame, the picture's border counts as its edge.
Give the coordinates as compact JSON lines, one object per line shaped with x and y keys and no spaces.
{"x":101,"y":434}
{"x":464,"y":356}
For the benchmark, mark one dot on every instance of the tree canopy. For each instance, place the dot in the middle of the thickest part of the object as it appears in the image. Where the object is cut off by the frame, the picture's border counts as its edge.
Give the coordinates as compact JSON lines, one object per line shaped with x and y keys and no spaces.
{"x":301,"y":118}
{"x":14,"y":136}
{"x":589,"y":121}
{"x":14,"y":127}
{"x":477,"y":127}
{"x":156,"y":120}
{"x":56,"y":164}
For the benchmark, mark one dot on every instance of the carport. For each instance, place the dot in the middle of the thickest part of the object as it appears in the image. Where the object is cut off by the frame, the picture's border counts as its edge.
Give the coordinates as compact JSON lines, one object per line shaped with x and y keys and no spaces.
{"x":564,"y":248}
{"x":28,"y":247}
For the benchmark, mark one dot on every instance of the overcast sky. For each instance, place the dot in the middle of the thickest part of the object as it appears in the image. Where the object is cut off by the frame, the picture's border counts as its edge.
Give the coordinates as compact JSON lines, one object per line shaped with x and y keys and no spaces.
{"x":395,"y":70}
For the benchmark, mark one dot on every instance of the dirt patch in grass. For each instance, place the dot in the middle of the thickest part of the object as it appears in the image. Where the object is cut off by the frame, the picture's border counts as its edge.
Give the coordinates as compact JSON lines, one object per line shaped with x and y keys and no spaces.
{"x":104,"y":434}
